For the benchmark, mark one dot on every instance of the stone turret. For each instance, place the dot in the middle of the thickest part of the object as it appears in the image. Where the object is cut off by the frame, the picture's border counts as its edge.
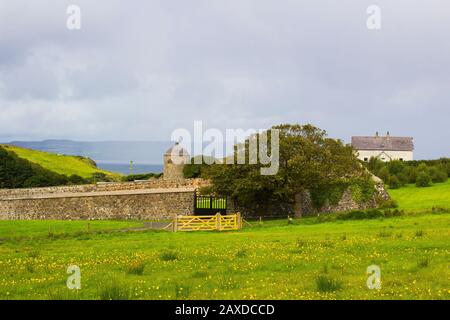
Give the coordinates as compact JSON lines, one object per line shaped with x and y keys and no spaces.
{"x":174,"y":160}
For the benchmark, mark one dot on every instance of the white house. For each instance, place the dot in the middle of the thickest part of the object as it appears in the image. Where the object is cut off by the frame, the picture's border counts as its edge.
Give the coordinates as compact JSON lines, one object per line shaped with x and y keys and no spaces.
{"x":385,"y":148}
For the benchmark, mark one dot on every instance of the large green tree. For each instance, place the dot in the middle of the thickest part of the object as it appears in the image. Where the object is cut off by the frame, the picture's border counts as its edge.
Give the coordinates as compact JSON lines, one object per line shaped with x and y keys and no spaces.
{"x":308,"y":160}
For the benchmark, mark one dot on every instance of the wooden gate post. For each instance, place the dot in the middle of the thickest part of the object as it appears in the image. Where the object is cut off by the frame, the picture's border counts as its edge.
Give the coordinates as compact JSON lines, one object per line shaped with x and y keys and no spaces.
{"x":239,"y":220}
{"x":175,"y":223}
{"x":218,"y":226}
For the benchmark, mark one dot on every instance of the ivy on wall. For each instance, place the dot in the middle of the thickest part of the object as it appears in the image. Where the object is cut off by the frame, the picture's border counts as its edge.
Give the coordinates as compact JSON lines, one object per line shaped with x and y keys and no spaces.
{"x":362,"y":189}
{"x":330,"y":194}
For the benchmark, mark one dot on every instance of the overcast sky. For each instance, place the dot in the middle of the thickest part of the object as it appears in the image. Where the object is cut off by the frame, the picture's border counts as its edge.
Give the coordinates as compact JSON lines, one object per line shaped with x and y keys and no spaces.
{"x":137,"y":70}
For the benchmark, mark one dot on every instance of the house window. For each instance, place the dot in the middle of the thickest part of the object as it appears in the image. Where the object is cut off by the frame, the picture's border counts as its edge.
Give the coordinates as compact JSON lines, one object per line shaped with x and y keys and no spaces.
{"x":365,"y":159}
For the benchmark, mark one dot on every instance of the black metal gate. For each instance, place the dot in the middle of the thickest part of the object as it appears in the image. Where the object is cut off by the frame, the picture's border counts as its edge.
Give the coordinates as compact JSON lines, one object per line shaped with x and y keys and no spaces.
{"x":209,"y":205}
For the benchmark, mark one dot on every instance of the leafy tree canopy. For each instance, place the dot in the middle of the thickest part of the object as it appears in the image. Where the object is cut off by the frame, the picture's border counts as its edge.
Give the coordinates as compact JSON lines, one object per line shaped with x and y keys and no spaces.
{"x":308,"y":160}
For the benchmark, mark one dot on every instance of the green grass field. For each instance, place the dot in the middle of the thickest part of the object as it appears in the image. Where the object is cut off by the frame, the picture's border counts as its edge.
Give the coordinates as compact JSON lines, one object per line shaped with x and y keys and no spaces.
{"x":413,"y":198}
{"x":304,"y":260}
{"x":36,"y":229}
{"x":62,"y":164}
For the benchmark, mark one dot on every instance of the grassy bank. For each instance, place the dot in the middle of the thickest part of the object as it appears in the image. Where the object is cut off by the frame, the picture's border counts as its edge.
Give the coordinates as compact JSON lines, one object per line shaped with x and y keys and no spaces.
{"x":62,"y":164}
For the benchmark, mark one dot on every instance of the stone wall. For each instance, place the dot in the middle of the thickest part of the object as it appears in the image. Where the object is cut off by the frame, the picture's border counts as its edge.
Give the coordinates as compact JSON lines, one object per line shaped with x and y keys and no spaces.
{"x":136,"y":204}
{"x":345,"y":204}
{"x":104,"y":187}
{"x":147,"y":199}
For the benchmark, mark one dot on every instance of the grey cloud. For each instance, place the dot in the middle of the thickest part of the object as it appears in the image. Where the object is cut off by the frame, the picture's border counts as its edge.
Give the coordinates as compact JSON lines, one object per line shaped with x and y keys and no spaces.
{"x":138,"y":70}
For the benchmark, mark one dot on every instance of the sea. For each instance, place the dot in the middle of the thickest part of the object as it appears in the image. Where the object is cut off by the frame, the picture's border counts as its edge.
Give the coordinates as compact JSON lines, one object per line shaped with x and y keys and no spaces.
{"x":125,"y":168}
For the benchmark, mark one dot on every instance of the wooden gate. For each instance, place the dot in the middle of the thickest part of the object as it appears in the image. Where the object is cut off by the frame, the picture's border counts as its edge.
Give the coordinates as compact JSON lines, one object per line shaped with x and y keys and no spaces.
{"x":207,"y":223}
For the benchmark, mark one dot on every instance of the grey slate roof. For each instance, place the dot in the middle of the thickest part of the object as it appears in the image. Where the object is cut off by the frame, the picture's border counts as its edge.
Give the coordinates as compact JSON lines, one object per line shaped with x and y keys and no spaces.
{"x":383,"y":143}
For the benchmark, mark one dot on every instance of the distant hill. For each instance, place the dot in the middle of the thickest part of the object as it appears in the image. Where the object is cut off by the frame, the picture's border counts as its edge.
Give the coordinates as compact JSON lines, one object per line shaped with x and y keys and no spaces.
{"x":60,"y":164}
{"x":144,"y":152}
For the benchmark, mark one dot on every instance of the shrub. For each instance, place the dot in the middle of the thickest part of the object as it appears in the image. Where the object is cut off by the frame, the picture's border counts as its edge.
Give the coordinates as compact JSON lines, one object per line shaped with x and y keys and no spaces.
{"x":423,"y":167}
{"x":326,"y":284}
{"x":438,"y":174}
{"x":423,"y":263}
{"x":412,"y":174}
{"x":100,"y":177}
{"x":76,"y":179}
{"x":242,"y":253}
{"x":360,"y":214}
{"x":408,"y":171}
{"x":383,"y":174}
{"x":403,"y":178}
{"x":392,"y":213}
{"x":440,"y":210}
{"x":143,"y":176}
{"x":192,"y":171}
{"x":168,"y":256}
{"x":63,"y":294}
{"x":396,"y":167}
{"x":423,"y":179}
{"x":136,"y":268}
{"x":375,"y":165}
{"x":389,"y":203}
{"x":30,"y":267}
{"x":419,"y":233}
{"x":394,"y":182}
{"x":34,"y":254}
{"x":384,"y":234}
{"x":113,"y":290}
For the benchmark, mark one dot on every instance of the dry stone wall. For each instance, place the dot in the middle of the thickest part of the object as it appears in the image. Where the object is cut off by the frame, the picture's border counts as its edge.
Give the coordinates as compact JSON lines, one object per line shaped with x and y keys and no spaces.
{"x":154,"y":199}
{"x":104,"y":186}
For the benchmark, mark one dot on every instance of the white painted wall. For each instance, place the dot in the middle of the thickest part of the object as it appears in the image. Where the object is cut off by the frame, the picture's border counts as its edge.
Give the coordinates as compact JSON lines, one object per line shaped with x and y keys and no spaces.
{"x":385,"y":155}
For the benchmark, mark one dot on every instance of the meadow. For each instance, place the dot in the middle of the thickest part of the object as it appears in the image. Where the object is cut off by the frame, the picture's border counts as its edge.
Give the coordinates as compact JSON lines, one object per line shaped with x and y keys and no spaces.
{"x":280,"y":259}
{"x":412,"y":198}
